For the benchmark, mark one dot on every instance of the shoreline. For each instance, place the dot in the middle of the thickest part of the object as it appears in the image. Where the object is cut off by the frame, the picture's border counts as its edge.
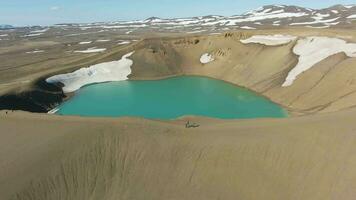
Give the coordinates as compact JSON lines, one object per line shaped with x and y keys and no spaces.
{"x":286,"y":112}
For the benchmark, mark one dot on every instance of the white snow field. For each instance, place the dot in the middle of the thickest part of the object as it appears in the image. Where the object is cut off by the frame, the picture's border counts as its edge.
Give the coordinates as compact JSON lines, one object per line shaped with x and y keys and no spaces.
{"x":103,"y":72}
{"x":91,"y":50}
{"x":312,"y":50}
{"x":206,"y":58}
{"x":269,"y":40}
{"x":351,"y":17}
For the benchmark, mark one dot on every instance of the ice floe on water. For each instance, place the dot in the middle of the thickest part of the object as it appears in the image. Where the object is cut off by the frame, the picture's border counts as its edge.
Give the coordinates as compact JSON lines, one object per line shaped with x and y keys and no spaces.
{"x":91,"y":50}
{"x":206,"y":58}
{"x":103,"y":72}
{"x":270,"y":40}
{"x":312,"y":50}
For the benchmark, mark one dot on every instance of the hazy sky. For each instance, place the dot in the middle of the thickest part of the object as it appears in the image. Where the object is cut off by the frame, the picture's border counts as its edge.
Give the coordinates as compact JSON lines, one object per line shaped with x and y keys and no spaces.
{"x":47,"y":12}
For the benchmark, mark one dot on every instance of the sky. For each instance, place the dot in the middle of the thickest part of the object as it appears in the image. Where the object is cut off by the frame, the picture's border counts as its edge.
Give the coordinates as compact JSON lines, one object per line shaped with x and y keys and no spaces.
{"x":49,"y":12}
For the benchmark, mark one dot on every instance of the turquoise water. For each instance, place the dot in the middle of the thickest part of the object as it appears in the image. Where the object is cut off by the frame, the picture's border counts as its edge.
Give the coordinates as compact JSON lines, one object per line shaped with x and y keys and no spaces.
{"x":169,"y":99}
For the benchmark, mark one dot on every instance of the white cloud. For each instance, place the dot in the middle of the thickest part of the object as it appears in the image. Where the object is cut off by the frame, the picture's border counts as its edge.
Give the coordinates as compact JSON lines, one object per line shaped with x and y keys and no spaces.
{"x":54,"y":8}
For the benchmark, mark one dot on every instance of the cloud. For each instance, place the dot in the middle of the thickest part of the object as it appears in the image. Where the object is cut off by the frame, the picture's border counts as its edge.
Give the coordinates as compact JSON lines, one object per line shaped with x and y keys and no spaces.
{"x":54,"y":8}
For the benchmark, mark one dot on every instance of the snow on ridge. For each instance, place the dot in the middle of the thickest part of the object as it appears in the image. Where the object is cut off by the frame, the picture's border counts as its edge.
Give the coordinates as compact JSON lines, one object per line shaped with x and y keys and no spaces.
{"x":253,"y":17}
{"x":124,"y":26}
{"x":103,"y":72}
{"x":349,"y":6}
{"x":206,"y":58}
{"x":269,"y":40}
{"x":317,"y":21}
{"x":4,"y":35}
{"x":271,"y":16}
{"x":91,"y":50}
{"x":312,"y":50}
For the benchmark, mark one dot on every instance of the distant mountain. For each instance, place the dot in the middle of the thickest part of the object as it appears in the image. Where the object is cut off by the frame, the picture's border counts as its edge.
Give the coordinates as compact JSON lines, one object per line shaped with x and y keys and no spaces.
{"x":271,"y":15}
{"x":6,"y":26}
{"x":266,"y":17}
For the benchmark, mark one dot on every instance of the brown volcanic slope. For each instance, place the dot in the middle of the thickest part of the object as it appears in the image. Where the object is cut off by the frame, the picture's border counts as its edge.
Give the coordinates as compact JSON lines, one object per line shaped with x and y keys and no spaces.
{"x":73,"y":158}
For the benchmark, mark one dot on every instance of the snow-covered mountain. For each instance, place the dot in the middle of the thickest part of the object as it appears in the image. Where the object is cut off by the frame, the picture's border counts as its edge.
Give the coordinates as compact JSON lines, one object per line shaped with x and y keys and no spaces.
{"x":272,"y":15}
{"x":266,"y":17}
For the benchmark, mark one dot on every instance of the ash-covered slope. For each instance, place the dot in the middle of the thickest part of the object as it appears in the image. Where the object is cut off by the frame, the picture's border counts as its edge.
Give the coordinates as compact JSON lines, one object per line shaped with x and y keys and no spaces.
{"x":310,"y":158}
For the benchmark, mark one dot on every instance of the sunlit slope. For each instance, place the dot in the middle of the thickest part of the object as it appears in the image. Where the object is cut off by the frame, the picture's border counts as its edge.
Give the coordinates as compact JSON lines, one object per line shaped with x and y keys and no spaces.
{"x":327,"y":86}
{"x":69,"y":158}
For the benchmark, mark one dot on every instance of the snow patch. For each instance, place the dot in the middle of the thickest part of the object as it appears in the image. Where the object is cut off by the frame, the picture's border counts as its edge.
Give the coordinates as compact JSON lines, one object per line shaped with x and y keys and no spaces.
{"x":247,"y":27}
{"x":103,"y":72}
{"x":206,"y":58}
{"x":349,"y":6}
{"x":312,"y":50}
{"x":40,"y":31}
{"x":85,"y":42}
{"x":124,"y":42}
{"x":91,"y":50}
{"x":269,"y":40}
{"x":53,"y":111}
{"x":351,"y":17}
{"x":317,"y":21}
{"x":103,"y":41}
{"x":35,"y":51}
{"x":335,"y":11}
{"x":33,"y":35}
